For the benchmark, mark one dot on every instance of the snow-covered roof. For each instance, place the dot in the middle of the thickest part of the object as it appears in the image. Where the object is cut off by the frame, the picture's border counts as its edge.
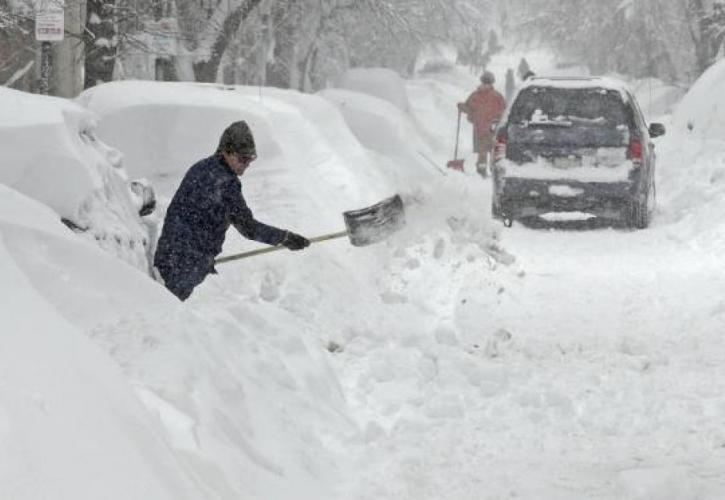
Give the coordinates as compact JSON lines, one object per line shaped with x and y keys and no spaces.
{"x":583,"y":82}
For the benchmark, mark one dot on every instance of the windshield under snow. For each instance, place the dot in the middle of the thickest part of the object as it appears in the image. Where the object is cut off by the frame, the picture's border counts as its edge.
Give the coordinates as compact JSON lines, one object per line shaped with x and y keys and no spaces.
{"x":554,"y":116}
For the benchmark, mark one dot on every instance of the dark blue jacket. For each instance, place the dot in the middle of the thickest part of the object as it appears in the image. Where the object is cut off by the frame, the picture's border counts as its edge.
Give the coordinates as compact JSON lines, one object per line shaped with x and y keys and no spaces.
{"x":208,"y":200}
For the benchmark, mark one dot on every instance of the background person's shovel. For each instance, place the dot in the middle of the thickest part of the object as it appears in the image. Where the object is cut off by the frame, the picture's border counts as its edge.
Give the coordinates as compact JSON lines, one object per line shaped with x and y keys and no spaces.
{"x":455,"y":163}
{"x":364,"y":227}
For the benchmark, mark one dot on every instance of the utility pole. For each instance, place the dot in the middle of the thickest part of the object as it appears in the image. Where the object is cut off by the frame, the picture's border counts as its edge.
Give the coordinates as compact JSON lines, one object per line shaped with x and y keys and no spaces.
{"x":46,"y":68}
{"x":49,"y":25}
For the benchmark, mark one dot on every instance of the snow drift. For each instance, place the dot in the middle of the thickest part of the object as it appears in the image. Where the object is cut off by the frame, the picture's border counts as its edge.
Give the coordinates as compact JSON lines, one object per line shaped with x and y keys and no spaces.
{"x":702,"y":110}
{"x":70,"y":424}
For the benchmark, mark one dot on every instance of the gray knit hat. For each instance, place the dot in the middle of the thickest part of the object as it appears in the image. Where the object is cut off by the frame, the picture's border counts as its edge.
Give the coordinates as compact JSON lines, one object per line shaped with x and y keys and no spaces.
{"x":237,"y":138}
{"x":488,"y":78}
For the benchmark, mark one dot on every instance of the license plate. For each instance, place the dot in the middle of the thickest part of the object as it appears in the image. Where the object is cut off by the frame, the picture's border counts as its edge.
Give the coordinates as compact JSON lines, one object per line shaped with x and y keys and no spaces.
{"x":568,"y":162}
{"x":565,"y":191}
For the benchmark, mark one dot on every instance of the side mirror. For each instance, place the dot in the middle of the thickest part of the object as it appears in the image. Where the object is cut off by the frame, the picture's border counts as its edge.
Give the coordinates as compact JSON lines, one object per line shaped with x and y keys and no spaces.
{"x":146,"y":195}
{"x":494,"y":126}
{"x":656,"y":130}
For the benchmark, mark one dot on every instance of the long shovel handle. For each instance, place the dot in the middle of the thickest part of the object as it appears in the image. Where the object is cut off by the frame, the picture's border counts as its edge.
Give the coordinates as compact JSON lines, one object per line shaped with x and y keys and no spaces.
{"x":458,"y":131}
{"x":260,"y":251}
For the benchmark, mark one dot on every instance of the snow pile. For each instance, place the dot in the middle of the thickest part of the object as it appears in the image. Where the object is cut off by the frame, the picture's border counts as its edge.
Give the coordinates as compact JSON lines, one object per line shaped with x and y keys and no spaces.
{"x":692,"y":161}
{"x":387,"y":131}
{"x":70,"y":424}
{"x":49,"y":151}
{"x":382,"y":83}
{"x":702,"y":110}
{"x":434,"y":58}
{"x":238,"y":402}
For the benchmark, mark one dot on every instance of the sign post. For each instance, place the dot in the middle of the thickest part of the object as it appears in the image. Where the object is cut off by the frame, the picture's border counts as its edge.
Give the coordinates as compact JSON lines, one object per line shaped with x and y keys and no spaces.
{"x":49,"y":26}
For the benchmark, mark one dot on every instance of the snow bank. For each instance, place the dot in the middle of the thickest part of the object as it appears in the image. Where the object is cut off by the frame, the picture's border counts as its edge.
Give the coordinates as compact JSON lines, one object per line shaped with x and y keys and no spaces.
{"x":691,"y":163}
{"x":702,"y":110}
{"x":70,"y":425}
{"x":434,"y":58}
{"x":384,"y":129}
{"x":49,"y":151}
{"x":239,"y":404}
{"x":382,"y":83}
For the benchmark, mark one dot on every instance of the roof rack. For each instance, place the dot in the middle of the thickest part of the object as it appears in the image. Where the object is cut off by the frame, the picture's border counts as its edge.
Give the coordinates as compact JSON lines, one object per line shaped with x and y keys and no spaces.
{"x":582,"y":78}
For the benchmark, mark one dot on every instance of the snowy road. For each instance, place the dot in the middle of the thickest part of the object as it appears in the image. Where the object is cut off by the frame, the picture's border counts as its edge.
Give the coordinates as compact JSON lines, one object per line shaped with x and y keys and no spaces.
{"x":593,"y":367}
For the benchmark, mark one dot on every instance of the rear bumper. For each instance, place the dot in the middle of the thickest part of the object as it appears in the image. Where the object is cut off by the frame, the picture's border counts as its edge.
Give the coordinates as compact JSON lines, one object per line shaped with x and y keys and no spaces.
{"x":519,"y":197}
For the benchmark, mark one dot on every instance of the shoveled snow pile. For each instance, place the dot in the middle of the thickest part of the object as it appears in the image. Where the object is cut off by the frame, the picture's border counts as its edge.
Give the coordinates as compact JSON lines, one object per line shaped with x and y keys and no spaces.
{"x":702,"y":111}
{"x":692,"y":161}
{"x":49,"y":151}
{"x":382,"y":83}
{"x":70,"y":423}
{"x":238,"y":403}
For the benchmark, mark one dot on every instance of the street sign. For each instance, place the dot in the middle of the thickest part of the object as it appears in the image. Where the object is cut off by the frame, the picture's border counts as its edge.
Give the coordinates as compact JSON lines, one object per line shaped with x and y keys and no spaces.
{"x":49,"y":21}
{"x":163,"y":37}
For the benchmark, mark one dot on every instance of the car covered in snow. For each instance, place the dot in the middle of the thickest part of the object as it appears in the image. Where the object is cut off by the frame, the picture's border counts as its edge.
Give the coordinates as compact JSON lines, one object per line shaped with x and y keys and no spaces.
{"x":49,"y":151}
{"x":575,"y":145}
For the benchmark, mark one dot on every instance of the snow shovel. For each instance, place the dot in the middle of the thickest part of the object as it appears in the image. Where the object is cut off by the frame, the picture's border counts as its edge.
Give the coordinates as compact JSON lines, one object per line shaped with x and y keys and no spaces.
{"x":455,"y":163}
{"x":363,"y":227}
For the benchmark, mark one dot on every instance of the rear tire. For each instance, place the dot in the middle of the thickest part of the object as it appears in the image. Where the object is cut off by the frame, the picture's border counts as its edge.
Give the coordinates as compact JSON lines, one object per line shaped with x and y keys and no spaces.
{"x":638,"y":212}
{"x":482,"y":170}
{"x":495,"y":210}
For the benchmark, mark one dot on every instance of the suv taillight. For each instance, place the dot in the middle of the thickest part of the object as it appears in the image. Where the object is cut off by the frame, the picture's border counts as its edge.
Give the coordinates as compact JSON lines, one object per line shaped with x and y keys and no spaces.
{"x":499,"y":149}
{"x":635,"y":151}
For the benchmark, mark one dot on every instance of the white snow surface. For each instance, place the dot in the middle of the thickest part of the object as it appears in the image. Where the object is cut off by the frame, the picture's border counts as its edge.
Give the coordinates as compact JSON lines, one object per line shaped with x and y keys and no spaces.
{"x":457,"y":360}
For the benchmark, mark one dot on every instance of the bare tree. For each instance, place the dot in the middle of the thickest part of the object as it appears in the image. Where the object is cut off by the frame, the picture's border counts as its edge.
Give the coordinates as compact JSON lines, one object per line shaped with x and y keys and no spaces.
{"x":101,"y":41}
{"x":17,"y":47}
{"x":222,"y":25}
{"x":706,"y":26}
{"x":639,"y":38}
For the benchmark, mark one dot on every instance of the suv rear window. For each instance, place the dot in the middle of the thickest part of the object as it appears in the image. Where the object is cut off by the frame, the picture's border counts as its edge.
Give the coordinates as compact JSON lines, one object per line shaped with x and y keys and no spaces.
{"x":591,"y":117}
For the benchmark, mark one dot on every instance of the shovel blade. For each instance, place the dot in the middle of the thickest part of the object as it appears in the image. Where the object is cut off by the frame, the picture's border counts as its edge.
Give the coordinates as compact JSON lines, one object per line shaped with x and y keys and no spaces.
{"x":375,"y":223}
{"x":456,"y":165}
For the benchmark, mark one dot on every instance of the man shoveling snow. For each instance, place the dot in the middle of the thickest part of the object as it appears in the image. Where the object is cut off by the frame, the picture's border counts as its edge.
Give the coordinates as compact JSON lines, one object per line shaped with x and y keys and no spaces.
{"x":208,"y":200}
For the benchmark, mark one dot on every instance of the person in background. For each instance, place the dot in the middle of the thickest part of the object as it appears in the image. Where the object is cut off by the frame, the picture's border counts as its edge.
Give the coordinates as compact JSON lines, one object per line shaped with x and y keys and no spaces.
{"x":510,"y":84}
{"x":483,"y":107}
{"x":206,"y":203}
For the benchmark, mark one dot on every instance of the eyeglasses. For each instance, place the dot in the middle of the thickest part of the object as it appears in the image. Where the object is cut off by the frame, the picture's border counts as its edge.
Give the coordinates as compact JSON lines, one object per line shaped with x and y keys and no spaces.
{"x":245,"y":158}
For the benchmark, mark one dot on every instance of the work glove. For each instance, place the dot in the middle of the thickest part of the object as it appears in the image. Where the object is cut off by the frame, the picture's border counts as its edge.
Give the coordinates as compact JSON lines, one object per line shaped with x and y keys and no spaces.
{"x":294,"y":241}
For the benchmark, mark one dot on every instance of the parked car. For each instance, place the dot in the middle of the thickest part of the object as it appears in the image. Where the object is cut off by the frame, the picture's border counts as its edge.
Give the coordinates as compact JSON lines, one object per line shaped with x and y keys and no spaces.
{"x":575,"y":145}
{"x":49,"y":151}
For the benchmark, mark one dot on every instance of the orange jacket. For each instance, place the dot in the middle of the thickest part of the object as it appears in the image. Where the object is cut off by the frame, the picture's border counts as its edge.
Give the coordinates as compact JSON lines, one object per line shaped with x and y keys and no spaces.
{"x":484,"y":106}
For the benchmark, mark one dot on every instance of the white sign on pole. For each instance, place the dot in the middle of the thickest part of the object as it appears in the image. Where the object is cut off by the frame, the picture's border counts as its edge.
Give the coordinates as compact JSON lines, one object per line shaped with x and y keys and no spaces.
{"x":163,"y":39}
{"x":49,"y":21}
